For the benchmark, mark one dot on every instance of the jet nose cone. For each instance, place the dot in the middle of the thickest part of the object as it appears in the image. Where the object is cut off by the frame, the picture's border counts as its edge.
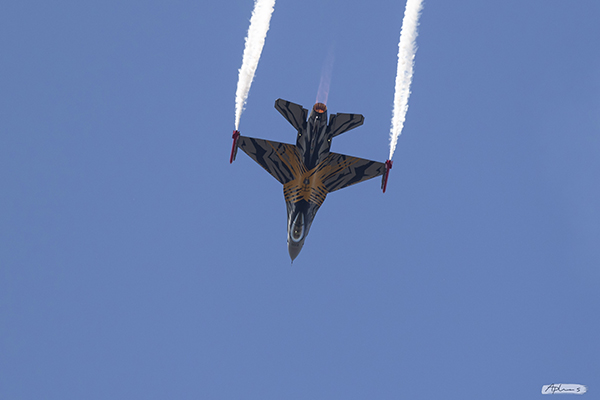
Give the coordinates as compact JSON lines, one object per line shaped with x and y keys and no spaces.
{"x":294,"y":250}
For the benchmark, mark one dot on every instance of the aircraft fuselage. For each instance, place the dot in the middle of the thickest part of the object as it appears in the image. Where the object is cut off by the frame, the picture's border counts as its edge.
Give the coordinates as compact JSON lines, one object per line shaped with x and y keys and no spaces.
{"x":308,"y":170}
{"x":313,"y":143}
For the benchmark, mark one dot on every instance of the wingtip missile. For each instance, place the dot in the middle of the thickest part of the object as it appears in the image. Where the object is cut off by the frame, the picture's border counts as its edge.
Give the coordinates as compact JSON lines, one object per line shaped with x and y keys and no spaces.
{"x":236,"y":136}
{"x":388,"y":166}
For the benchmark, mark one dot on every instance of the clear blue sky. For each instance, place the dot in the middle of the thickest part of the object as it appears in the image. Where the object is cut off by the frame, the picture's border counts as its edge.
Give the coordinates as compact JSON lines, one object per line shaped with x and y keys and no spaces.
{"x":135,"y":262}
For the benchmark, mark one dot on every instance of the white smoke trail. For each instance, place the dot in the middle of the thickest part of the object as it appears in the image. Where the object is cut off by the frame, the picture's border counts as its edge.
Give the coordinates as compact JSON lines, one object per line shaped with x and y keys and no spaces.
{"x":406,"y":60}
{"x":257,"y":32}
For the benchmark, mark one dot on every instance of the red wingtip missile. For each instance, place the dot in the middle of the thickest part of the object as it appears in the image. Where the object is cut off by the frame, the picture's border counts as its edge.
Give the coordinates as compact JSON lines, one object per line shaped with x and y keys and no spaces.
{"x":236,"y":136}
{"x":388,"y":166}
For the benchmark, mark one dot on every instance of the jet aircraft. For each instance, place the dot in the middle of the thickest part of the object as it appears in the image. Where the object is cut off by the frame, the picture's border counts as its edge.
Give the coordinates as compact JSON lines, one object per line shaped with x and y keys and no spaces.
{"x":308,"y":170}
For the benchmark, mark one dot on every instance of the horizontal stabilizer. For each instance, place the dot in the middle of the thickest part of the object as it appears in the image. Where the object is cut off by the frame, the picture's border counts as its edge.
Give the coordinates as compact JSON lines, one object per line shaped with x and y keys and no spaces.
{"x":340,"y":123}
{"x":294,"y":113}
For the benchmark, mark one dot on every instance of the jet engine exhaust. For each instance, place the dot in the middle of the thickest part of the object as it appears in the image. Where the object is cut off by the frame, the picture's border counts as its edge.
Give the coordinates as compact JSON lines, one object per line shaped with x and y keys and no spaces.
{"x":406,"y":60}
{"x":257,"y":32}
{"x":320,"y":108}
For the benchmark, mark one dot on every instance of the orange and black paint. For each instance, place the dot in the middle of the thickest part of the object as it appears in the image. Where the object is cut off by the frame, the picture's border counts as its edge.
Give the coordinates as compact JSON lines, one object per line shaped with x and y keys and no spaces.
{"x":309,"y":170}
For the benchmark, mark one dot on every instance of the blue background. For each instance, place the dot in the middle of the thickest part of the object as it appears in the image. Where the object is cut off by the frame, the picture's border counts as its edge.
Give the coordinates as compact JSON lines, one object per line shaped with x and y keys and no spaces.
{"x":135,"y":262}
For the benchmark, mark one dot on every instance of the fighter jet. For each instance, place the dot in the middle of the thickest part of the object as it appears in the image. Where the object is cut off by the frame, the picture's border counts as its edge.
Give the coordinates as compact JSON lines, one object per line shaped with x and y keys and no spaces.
{"x":308,"y":171}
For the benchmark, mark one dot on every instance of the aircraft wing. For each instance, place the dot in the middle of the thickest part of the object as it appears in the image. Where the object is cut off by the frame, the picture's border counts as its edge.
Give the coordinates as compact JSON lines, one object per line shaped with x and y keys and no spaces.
{"x":279,"y":159}
{"x":341,"y":171}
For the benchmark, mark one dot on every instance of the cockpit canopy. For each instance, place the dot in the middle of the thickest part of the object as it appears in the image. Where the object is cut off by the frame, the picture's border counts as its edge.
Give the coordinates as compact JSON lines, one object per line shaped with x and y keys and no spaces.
{"x":297,"y":231}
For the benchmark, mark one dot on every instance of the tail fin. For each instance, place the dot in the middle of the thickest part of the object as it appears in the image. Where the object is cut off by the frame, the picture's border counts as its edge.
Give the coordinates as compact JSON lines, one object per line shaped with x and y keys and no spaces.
{"x":340,"y":123}
{"x":294,"y":113}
